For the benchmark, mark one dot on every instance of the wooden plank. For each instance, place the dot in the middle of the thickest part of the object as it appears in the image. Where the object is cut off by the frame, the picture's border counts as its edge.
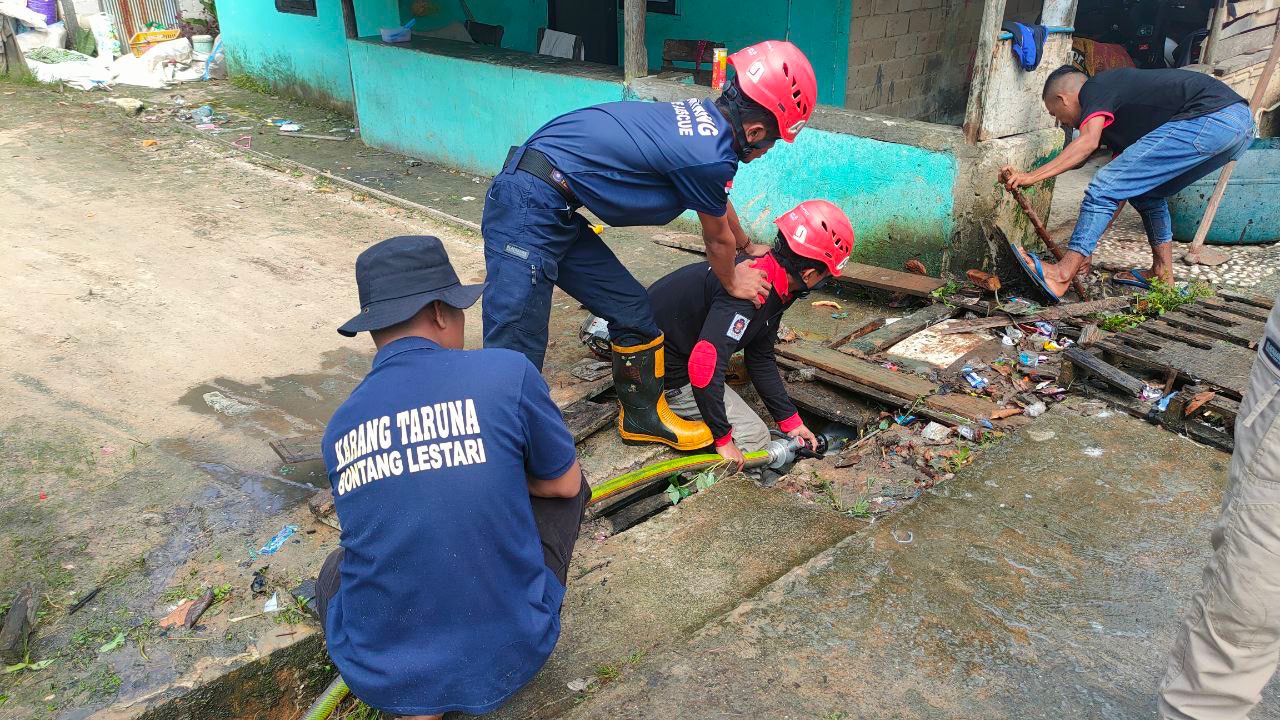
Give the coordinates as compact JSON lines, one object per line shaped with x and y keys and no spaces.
{"x":859,"y":275}
{"x":1235,"y":333}
{"x":1229,"y":65}
{"x":871,"y":393}
{"x":1223,"y":365}
{"x":894,"y":333}
{"x":585,"y":417}
{"x":908,"y":387}
{"x":1250,"y":22}
{"x":1259,"y":301}
{"x":1245,"y":43}
{"x":1235,"y":308}
{"x":1246,"y":7}
{"x":1165,"y":330}
{"x":1057,"y":312}
{"x":869,"y":327}
{"x":1105,"y":371}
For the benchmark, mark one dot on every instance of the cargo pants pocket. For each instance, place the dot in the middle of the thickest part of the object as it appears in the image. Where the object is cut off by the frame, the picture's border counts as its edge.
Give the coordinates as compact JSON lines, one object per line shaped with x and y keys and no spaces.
{"x":519,"y":289}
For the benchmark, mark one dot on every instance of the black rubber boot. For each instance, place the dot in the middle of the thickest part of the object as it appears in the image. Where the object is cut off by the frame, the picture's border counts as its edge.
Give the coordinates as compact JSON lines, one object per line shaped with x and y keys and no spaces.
{"x":644,"y":417}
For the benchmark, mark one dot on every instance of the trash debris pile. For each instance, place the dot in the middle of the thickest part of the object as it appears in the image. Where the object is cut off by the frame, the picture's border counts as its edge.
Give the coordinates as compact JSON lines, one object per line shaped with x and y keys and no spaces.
{"x":98,"y":59}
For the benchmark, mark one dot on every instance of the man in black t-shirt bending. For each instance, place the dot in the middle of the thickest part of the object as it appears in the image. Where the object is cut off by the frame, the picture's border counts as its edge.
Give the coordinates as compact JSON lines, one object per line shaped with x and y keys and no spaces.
{"x":1168,"y":129}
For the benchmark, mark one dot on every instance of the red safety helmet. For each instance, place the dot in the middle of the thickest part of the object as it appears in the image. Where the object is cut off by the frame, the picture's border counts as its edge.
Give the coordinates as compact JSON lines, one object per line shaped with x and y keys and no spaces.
{"x":777,"y":75}
{"x":820,"y":231}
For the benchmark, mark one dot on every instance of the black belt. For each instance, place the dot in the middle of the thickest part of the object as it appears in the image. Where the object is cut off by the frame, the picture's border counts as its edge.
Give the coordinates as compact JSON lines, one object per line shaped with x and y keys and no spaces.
{"x":536,"y":164}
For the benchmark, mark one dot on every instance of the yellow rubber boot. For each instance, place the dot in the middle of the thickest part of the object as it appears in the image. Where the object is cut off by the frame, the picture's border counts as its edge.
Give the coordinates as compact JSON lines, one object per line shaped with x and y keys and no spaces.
{"x":645,"y":418}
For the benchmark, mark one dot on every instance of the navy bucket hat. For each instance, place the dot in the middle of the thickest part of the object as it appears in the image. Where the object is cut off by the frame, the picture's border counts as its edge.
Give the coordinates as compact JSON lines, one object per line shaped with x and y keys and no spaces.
{"x":400,"y":276}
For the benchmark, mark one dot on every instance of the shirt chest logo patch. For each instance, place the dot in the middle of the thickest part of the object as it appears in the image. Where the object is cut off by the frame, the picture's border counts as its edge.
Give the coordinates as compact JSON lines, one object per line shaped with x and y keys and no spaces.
{"x":1271,"y":351}
{"x":738,"y":327}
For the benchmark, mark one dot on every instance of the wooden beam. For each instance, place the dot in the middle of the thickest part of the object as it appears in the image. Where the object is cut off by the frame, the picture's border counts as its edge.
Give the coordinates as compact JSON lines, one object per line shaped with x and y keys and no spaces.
{"x":859,"y":275}
{"x":893,"y":333}
{"x":1057,"y":312}
{"x":1104,"y":371}
{"x":1249,"y":22}
{"x":908,"y":387}
{"x":984,"y":58}
{"x":869,"y":392}
{"x":1216,"y":19}
{"x":869,"y":327}
{"x":635,"y":63}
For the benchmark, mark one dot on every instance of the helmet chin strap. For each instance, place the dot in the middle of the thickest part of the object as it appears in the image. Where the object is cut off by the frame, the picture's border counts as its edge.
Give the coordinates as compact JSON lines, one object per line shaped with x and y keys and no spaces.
{"x":733,"y":104}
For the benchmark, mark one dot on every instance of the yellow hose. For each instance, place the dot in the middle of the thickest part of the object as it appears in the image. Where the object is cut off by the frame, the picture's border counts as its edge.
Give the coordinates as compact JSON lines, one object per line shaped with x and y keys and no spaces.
{"x":328,"y":701}
{"x":667,"y":468}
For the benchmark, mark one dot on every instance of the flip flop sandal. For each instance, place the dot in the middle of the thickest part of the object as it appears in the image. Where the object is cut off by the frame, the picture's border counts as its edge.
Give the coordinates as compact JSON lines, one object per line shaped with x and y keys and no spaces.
{"x":1036,"y":274}
{"x":1135,"y":280}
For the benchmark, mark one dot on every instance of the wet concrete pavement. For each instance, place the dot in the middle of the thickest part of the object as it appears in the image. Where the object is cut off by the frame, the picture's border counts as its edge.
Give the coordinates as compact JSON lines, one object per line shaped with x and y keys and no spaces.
{"x":1045,"y":581}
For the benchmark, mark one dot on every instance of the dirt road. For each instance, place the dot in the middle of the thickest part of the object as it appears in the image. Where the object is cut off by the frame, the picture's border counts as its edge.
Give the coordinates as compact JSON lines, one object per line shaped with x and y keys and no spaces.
{"x":167,"y":310}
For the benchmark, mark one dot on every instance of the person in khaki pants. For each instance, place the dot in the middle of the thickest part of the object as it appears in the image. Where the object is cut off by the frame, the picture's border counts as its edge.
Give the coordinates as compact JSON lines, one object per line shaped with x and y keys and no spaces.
{"x":1229,"y":644}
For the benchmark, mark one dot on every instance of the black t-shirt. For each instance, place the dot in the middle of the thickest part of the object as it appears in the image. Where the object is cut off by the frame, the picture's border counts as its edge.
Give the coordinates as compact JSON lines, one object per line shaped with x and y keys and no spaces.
{"x":1135,"y":102}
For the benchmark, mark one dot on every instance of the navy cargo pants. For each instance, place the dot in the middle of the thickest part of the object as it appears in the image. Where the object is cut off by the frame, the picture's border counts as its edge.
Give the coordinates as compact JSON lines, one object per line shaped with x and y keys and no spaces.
{"x":534,"y":241}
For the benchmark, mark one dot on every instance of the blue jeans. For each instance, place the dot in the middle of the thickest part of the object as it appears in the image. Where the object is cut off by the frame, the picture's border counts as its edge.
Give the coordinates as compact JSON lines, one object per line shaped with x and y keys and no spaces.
{"x":533,"y":241}
{"x":1161,"y":163}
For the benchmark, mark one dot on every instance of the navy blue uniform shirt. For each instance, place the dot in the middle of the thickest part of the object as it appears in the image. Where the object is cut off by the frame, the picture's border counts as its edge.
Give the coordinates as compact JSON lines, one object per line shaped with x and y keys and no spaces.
{"x":445,"y":601}
{"x":643,"y":163}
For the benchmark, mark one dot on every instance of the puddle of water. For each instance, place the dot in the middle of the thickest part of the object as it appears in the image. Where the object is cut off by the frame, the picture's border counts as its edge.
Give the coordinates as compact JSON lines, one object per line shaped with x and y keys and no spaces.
{"x":285,"y":405}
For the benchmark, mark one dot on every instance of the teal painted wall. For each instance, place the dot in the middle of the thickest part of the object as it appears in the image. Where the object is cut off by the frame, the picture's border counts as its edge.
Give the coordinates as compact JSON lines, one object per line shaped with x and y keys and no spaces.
{"x":460,"y":112}
{"x":520,"y":19}
{"x":298,"y":54}
{"x":822,"y":32}
{"x":899,"y":197}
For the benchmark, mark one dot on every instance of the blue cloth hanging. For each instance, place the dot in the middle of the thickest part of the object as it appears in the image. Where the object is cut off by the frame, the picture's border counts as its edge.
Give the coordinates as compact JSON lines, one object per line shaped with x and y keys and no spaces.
{"x":1028,"y":42}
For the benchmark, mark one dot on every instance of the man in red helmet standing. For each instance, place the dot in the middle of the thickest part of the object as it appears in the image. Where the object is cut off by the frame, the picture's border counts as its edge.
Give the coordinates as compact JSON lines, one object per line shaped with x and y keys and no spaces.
{"x":633,"y":163}
{"x":704,"y":324}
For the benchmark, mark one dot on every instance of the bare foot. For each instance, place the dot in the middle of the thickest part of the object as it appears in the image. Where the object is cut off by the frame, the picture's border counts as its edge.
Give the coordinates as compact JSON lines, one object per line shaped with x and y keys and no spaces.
{"x":1058,"y":285}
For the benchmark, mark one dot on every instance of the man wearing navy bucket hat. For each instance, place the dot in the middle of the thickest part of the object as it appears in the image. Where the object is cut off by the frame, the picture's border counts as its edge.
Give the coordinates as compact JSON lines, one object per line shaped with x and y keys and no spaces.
{"x":458,"y":490}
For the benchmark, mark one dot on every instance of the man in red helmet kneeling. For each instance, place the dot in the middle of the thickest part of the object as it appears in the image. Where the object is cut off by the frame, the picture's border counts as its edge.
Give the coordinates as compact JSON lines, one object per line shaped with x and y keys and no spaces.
{"x":634,"y":163}
{"x":704,"y":324}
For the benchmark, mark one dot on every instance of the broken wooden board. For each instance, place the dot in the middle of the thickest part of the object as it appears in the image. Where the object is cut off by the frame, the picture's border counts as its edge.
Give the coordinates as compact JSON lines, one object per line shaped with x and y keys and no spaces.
{"x":895,"y":332}
{"x":586,"y":417}
{"x":1240,"y":308}
{"x":1209,"y":361}
{"x":1209,"y":324}
{"x":1099,"y":368}
{"x":860,"y":275}
{"x":904,"y":386}
{"x":583,"y":417}
{"x":1057,"y":312}
{"x":869,"y":392}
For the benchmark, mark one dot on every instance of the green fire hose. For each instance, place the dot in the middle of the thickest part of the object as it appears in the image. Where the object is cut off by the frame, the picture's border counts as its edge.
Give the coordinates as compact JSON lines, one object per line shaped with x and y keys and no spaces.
{"x":328,"y":701}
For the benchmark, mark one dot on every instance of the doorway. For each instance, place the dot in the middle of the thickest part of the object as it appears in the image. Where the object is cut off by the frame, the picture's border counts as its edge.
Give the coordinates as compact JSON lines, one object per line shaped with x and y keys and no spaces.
{"x":595,"y":21}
